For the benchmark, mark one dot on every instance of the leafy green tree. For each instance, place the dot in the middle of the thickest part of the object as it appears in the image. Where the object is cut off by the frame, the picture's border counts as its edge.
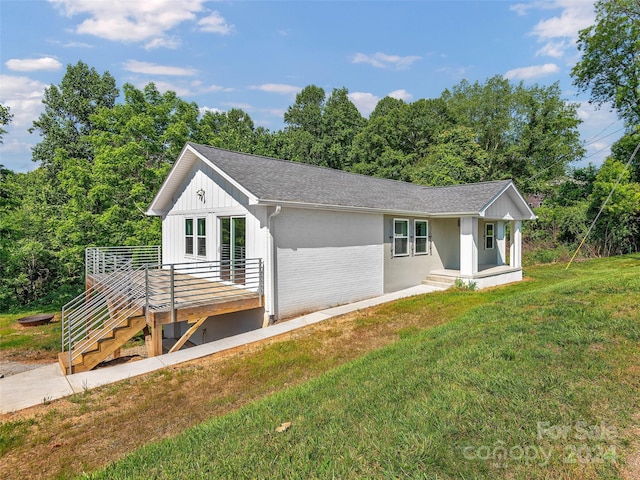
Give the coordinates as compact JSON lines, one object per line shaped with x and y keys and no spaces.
{"x":529,"y":133}
{"x":5,"y":119}
{"x":575,"y":188}
{"x":66,"y":120}
{"x":623,"y":150}
{"x":618,"y":227}
{"x":234,"y":130}
{"x":303,"y":127}
{"x":454,"y":158}
{"x":29,"y":268}
{"x":341,"y":122}
{"x":135,"y":144}
{"x":610,"y":63}
{"x":397,"y":136}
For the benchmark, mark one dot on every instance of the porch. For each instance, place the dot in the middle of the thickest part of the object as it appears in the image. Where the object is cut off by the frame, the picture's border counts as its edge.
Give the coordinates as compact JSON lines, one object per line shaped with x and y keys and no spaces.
{"x":486,"y":276}
{"x":128,"y":289}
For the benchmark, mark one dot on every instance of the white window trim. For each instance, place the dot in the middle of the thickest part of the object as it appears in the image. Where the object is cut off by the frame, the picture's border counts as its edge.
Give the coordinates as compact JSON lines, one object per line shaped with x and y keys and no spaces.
{"x":487,"y":236}
{"x":196,"y":238}
{"x":416,"y":237}
{"x":192,"y":236}
{"x":408,"y":236}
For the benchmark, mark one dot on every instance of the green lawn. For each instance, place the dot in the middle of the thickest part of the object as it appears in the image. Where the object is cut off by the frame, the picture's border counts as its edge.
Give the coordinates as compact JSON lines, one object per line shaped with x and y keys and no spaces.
{"x":15,"y":339}
{"x":538,"y":380}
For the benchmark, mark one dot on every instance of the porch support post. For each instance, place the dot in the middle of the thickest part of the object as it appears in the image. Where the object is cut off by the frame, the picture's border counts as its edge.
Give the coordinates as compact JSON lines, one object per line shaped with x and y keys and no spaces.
{"x":468,"y":246}
{"x":515,"y":260}
{"x":501,"y":244}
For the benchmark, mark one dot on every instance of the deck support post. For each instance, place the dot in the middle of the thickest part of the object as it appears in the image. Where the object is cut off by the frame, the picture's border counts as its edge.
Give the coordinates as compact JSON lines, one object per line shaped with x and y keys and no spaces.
{"x":156,"y":339}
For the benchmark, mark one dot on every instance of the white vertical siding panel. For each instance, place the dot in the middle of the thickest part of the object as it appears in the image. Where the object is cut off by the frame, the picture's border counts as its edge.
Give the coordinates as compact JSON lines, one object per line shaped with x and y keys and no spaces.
{"x":504,"y":207}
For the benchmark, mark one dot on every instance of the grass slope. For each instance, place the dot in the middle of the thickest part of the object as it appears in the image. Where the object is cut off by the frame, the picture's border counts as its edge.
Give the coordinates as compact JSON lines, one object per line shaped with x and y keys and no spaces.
{"x":537,"y":380}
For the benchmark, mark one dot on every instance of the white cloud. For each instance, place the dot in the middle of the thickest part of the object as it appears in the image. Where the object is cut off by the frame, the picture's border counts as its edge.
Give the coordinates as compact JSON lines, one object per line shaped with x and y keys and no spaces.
{"x":554,"y":49}
{"x":154,"y":69}
{"x":574,"y":17}
{"x":521,"y":8}
{"x":24,"y":97}
{"x":559,"y":33}
{"x":242,"y":106}
{"x":14,"y":145}
{"x":601,"y":128}
{"x":382,"y":60}
{"x":163,"y":87}
{"x":163,"y":42}
{"x":131,"y":21}
{"x":215,"y":23}
{"x":365,"y":102}
{"x":401,"y":95}
{"x":279,"y":88}
{"x":33,"y":64}
{"x":534,"y":71}
{"x":455,"y":72}
{"x":77,"y":45}
{"x":200,"y":88}
{"x":205,"y":109}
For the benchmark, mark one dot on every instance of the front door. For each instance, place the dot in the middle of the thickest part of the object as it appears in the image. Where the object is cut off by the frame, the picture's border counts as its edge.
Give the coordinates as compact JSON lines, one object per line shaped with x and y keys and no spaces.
{"x":232,"y":248}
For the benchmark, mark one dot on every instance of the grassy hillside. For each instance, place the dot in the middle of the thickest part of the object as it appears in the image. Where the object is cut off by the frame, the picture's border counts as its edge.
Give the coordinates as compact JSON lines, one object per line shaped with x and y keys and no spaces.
{"x":535,"y":380}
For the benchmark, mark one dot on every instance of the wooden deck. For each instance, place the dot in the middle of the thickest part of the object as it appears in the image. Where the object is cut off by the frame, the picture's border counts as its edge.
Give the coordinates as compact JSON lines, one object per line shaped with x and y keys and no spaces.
{"x":193,"y":297}
{"x":187,"y":299}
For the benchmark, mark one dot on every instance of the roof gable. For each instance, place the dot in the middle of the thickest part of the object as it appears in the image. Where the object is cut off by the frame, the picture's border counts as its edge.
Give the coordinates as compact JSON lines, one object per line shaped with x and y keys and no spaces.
{"x":271,"y":181}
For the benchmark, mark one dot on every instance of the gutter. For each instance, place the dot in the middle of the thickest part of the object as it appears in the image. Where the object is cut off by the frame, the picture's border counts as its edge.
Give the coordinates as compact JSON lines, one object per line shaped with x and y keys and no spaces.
{"x":271,"y":255}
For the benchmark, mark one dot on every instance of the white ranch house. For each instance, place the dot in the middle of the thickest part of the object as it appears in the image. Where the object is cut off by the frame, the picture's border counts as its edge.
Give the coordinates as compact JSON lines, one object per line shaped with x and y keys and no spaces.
{"x":294,"y":238}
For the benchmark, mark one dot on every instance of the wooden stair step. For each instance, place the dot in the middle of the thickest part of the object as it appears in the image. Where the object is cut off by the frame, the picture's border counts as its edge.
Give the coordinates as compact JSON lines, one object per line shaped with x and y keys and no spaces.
{"x":105,"y":345}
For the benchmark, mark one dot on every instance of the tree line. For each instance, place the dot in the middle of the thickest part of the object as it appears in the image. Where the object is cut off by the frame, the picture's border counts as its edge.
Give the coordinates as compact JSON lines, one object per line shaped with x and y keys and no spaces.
{"x":101,"y":161}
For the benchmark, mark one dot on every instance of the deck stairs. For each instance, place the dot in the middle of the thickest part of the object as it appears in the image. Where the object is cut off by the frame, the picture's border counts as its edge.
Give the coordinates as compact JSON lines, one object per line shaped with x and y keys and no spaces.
{"x":109,"y":312}
{"x":128,"y":289}
{"x":439,"y":281}
{"x":102,"y":343}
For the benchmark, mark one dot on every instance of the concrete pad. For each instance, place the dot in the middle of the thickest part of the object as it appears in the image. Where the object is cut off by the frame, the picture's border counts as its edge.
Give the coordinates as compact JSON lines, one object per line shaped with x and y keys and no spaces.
{"x":103,"y":376}
{"x":33,"y":388}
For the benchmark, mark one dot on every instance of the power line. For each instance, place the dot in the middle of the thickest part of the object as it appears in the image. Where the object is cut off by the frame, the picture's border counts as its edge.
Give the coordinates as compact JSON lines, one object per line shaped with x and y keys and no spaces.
{"x":604,"y":203}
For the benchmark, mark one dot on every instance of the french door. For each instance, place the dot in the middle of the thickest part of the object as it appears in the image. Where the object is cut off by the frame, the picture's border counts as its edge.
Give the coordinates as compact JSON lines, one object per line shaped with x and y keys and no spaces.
{"x":233,"y":248}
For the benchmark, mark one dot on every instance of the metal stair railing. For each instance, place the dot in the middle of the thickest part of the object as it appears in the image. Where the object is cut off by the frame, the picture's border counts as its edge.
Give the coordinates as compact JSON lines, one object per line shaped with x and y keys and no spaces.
{"x":127,"y":280}
{"x":103,"y":260}
{"x":117,"y":293}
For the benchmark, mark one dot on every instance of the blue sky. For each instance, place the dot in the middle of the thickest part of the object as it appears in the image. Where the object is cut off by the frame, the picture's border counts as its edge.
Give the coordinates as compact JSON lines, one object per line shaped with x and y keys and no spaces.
{"x":257,"y":55}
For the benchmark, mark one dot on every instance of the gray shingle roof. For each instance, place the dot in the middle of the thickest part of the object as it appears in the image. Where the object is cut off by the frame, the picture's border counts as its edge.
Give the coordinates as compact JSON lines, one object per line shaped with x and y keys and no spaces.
{"x":273,"y":180}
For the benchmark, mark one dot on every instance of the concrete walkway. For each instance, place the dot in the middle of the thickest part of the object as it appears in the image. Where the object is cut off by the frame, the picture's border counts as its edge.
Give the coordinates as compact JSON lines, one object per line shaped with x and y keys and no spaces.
{"x":48,"y":383}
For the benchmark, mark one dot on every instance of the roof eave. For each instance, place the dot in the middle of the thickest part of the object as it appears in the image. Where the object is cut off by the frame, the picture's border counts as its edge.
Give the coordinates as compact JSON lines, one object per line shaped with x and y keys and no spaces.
{"x":385,"y":211}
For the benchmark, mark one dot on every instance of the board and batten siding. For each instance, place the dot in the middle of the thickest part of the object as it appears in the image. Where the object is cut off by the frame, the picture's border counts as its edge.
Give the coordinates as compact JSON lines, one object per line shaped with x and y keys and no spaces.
{"x":506,"y":207}
{"x":221,"y":199}
{"x":326,"y":258}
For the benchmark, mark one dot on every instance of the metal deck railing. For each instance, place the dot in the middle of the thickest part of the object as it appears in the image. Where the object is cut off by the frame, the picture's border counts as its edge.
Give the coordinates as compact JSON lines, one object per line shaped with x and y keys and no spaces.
{"x":129,"y":281}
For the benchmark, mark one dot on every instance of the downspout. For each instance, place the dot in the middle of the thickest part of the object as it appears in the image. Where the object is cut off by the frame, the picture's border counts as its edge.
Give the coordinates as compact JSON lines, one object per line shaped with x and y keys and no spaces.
{"x":271,"y":253}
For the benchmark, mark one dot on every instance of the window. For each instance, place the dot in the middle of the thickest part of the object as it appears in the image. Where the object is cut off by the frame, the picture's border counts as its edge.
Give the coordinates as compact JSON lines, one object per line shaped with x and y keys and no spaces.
{"x":421,"y":235}
{"x":195,"y":240}
{"x":202,"y":237}
{"x":400,"y":237}
{"x":188,"y":236}
{"x":488,"y":235}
